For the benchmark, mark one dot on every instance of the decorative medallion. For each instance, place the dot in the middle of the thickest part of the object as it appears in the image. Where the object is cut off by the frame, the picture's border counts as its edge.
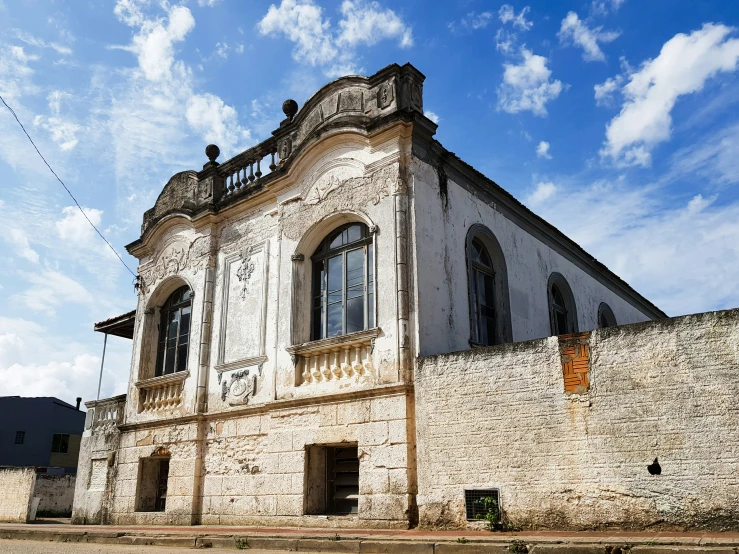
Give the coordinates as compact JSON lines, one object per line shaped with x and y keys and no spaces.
{"x":238,"y":388}
{"x":286,"y":149}
{"x":385,"y":96}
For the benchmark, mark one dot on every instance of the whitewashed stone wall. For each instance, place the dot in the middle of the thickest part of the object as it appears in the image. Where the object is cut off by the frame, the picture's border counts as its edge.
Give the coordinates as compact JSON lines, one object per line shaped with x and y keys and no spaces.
{"x":255,"y":470}
{"x":499,"y":417}
{"x":16,"y":488}
{"x":441,"y":221}
{"x":56,"y":493}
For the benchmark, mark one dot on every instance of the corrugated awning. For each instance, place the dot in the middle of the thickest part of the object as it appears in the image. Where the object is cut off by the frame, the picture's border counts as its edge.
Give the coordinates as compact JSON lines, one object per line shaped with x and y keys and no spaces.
{"x":120,"y":326}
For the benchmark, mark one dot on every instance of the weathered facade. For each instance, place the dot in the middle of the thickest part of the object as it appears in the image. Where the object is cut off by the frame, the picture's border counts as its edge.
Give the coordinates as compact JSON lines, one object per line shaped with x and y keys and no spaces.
{"x":286,"y":299}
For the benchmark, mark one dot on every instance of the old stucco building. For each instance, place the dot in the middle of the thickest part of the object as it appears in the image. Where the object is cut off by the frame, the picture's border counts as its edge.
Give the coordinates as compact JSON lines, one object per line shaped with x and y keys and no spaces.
{"x":348,"y":326}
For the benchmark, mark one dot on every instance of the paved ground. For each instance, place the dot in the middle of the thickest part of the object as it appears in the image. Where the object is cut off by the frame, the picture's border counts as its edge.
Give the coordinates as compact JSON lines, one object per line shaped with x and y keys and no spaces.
{"x":37,"y":547}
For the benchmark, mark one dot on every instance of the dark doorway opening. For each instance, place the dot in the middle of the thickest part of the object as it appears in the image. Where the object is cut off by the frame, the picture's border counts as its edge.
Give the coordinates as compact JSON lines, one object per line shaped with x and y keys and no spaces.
{"x":152,"y":485}
{"x":332,"y":479}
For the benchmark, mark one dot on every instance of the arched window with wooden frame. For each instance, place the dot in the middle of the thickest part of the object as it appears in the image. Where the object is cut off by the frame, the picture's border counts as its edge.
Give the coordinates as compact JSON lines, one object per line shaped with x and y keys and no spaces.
{"x":605,"y":316}
{"x":343,"y":283}
{"x":174,"y":332}
{"x":487,"y":278}
{"x":562,"y":309}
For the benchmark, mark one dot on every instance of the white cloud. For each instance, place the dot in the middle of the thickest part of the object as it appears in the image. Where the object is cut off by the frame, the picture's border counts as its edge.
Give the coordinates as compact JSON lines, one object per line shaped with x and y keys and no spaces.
{"x":602,"y":7}
{"x":683,"y":66}
{"x":527,"y":86}
{"x":432,"y":116}
{"x":713,"y":158}
{"x":73,"y":227}
{"x":51,"y":289}
{"x":604,"y":92}
{"x":63,"y":369}
{"x":18,"y":239}
{"x":505,"y":41}
{"x":543,"y":150}
{"x":215,"y":121}
{"x":577,"y":32}
{"x":544,"y":191}
{"x":34,"y":41}
{"x":361,"y":23}
{"x":692,"y":258}
{"x":506,"y":14}
{"x":368,"y":23}
{"x":63,"y":132}
{"x":154,"y":43}
{"x":208,"y":3}
{"x":472,"y":21}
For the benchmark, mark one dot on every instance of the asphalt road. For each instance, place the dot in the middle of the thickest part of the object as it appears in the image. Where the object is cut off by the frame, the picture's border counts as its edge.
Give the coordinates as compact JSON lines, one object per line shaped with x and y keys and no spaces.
{"x":41,"y":547}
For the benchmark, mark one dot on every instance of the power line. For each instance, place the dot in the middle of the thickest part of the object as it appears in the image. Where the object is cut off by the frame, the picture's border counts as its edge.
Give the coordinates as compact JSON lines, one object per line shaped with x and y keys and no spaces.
{"x":65,"y":188}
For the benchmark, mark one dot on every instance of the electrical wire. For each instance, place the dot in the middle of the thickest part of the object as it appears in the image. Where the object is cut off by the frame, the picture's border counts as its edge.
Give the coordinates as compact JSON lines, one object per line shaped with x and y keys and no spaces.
{"x":65,"y":188}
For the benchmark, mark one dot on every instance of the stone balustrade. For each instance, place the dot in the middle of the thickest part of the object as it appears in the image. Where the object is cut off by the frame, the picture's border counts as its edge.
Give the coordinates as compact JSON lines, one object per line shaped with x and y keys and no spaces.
{"x":336,"y":358}
{"x":161,"y":393}
{"x":109,"y":411}
{"x":244,"y":171}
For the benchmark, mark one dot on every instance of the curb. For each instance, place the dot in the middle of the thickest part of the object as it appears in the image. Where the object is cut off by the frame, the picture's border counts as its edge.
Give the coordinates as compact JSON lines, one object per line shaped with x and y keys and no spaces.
{"x":539,"y":545}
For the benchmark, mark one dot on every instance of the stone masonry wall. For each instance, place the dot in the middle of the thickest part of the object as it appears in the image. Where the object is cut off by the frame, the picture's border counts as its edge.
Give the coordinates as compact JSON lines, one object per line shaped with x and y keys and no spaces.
{"x":499,"y":417}
{"x":16,"y":487}
{"x":255,"y":465}
{"x":56,"y":493}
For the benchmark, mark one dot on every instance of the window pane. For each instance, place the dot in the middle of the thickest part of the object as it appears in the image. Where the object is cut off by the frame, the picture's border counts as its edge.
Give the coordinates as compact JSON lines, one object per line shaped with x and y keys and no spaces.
{"x":55,"y":443}
{"x":182,"y":357}
{"x":169,"y":360}
{"x":355,"y":267}
{"x":353,"y":233}
{"x":371,"y":310}
{"x":561,"y":322}
{"x":335,"y":278}
{"x":337,"y":241}
{"x":318,"y":321}
{"x":355,"y":314}
{"x":172,"y":324}
{"x":334,"y":320}
{"x":370,"y":287}
{"x":63,"y":443}
{"x":184,"y":322}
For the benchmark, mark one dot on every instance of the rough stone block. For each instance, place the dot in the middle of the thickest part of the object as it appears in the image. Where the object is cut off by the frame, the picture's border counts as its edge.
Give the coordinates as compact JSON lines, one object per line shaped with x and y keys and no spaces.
{"x":212,"y":485}
{"x":280,"y":441}
{"x":370,"y":434}
{"x":388,"y":456}
{"x":388,"y":407}
{"x":249,"y":426}
{"x":357,"y":411}
{"x":290,"y":505}
{"x":397,"y":431}
{"x":291,"y":462}
{"x":374,"y":481}
{"x":383,"y":506}
{"x":328,"y":415}
{"x":398,"y":481}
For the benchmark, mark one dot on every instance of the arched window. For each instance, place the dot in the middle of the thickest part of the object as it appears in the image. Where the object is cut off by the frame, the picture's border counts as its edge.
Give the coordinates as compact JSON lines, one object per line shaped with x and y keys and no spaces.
{"x":343,"y":283}
{"x":605,"y":316}
{"x":483,"y":293}
{"x":562,"y":312}
{"x":174,"y":332}
{"x":488,"y":289}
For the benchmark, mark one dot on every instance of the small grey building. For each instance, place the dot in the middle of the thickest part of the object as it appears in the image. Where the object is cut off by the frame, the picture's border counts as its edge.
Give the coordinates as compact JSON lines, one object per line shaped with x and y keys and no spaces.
{"x":41,"y":432}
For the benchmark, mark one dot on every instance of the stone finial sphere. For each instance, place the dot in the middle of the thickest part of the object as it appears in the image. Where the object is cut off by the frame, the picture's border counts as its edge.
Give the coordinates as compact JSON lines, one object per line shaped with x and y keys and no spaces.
{"x":290,"y":108}
{"x":212,"y":151}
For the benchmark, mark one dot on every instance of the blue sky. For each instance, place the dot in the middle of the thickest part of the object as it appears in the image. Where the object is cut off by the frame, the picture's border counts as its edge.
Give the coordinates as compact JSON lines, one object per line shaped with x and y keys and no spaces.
{"x":616,"y":120}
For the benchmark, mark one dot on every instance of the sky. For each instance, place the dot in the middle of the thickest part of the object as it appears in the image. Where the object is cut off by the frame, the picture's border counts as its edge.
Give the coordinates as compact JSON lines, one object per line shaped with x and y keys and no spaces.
{"x":615,"y":120}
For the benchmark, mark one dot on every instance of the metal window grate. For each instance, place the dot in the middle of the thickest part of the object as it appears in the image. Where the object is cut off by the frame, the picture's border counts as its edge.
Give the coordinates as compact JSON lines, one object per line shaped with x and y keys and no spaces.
{"x":20,"y":437}
{"x":474,"y":502}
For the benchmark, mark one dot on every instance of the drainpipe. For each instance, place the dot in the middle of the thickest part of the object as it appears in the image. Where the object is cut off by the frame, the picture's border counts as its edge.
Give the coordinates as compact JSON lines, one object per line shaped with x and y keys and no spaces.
{"x":102,"y":363}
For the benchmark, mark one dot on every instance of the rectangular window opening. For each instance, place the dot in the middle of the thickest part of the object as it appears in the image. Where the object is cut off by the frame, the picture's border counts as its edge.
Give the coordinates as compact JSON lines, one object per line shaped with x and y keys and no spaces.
{"x":151,"y":494}
{"x":20,"y":437}
{"x":478,"y":502}
{"x":332,"y":480}
{"x":60,"y":443}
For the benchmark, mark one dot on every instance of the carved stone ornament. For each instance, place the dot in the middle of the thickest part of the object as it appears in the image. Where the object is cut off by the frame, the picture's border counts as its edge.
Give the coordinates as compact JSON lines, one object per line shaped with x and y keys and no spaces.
{"x":286,"y":149}
{"x":416,"y":96}
{"x":198,"y":255}
{"x":173,"y":260}
{"x":238,"y":388}
{"x":245,"y":270}
{"x":385,"y":96}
